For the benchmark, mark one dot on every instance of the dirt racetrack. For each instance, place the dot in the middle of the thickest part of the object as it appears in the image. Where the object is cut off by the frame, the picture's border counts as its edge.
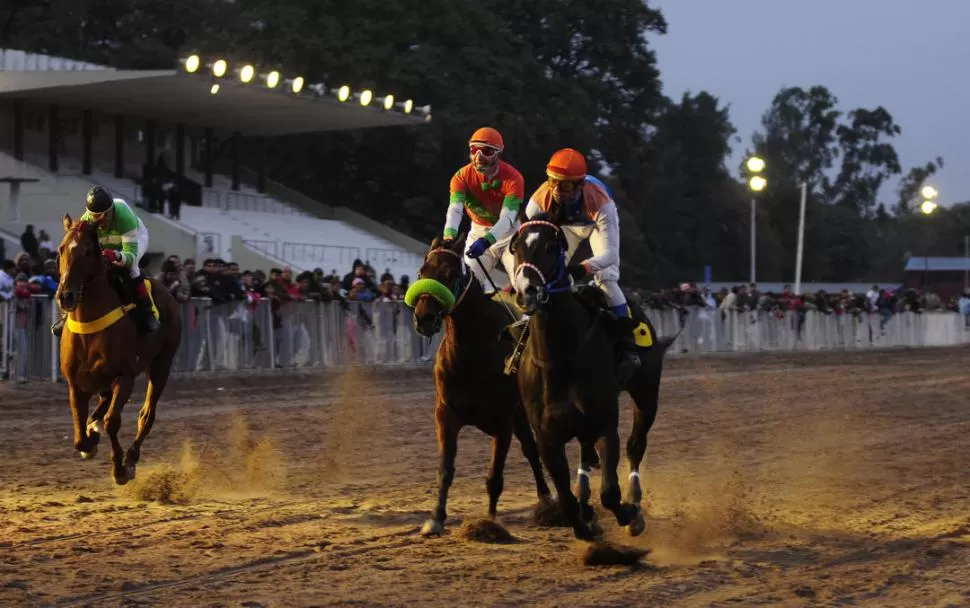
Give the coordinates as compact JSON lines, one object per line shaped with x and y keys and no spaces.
{"x":780,"y":480}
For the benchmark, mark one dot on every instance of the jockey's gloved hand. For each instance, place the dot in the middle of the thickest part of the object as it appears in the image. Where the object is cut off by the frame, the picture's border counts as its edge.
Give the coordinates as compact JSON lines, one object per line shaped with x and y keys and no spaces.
{"x":479,"y":248}
{"x":110,"y":255}
{"x":576,"y":271}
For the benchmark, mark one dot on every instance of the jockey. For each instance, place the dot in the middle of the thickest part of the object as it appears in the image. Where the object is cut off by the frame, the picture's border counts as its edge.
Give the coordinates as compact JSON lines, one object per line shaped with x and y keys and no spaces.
{"x":124,"y":239}
{"x":588,"y":212}
{"x":491,"y":191}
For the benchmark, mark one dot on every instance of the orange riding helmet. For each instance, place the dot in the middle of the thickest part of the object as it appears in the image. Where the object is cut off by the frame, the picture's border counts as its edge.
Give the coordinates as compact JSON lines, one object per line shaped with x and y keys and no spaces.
{"x":567,"y":165}
{"x":487,"y":136}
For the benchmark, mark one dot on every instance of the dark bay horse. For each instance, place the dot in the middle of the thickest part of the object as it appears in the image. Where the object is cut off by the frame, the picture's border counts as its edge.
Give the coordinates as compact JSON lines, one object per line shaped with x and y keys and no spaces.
{"x":568,"y":380}
{"x":103,"y":351}
{"x":470,"y":385}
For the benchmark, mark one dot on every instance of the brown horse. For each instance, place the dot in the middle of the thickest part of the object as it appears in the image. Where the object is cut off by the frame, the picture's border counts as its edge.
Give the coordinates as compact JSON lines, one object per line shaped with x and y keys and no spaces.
{"x":103,"y":350}
{"x":471,"y":387}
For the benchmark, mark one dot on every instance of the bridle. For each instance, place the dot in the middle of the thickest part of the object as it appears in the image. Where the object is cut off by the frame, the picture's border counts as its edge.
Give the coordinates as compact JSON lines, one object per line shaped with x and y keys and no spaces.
{"x":559,"y":283}
{"x":460,"y":289}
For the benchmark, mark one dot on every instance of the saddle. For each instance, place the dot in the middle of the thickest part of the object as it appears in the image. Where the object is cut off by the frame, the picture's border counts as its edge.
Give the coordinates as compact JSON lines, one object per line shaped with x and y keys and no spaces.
{"x":124,"y":285}
{"x":643,"y":332}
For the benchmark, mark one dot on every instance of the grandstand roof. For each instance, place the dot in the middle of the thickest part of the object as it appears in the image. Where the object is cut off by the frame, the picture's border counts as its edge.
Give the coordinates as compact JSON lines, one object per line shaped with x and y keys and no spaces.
{"x":172,"y":96}
{"x":932,"y":264}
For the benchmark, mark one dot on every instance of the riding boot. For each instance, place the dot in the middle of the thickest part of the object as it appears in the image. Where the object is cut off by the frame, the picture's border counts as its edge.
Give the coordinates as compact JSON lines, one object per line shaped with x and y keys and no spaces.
{"x":145,"y":304}
{"x":628,"y":359}
{"x":58,"y":325}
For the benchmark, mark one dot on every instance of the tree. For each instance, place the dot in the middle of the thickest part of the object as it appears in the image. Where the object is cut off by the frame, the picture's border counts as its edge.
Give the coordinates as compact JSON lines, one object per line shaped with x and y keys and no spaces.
{"x":912,"y":183}
{"x":866,"y":160}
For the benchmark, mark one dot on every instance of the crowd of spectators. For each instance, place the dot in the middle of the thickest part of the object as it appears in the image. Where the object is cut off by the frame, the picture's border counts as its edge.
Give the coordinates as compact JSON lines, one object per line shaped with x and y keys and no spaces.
{"x":223,"y":281}
{"x":747,"y":298}
{"x":34,"y":272}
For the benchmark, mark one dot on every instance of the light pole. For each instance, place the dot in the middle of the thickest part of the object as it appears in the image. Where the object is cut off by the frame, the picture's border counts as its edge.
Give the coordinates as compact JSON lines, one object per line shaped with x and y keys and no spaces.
{"x":757,"y":183}
{"x":927,"y":207}
{"x":801,"y":239}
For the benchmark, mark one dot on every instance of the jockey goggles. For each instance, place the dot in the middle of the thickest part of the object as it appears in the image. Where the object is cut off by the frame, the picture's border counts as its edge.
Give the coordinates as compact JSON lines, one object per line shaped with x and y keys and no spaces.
{"x":485,"y":150}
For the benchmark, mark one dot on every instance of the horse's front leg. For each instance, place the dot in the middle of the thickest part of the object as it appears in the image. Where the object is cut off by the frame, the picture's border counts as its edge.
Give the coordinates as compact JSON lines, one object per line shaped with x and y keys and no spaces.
{"x":625,"y":513}
{"x":79,"y":413}
{"x":554,"y":457}
{"x":121,"y":391}
{"x":95,"y":420}
{"x":587,"y":452}
{"x":523,"y":432}
{"x":495,"y":482}
{"x":447,"y":426}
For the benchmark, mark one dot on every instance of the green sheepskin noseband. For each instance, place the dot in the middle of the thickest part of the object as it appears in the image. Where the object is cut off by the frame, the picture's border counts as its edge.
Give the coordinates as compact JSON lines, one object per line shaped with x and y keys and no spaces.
{"x":436,"y":290}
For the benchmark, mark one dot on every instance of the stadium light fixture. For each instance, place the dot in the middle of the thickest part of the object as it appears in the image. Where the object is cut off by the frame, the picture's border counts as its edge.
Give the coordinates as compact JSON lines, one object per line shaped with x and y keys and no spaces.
{"x":247,"y":73}
{"x":388,"y":102}
{"x":928,"y":207}
{"x":219,"y":68}
{"x":272,"y":79}
{"x":214,"y":90}
{"x":755,"y":164}
{"x":408,"y":106}
{"x":192,"y":64}
{"x":297,"y":85}
{"x":929,"y":192}
{"x":343,"y":93}
{"x":366,"y":96}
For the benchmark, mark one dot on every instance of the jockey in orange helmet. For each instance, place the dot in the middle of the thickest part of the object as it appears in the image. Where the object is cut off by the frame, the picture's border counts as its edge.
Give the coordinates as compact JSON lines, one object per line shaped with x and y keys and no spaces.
{"x":491,"y":192}
{"x":586,"y":210}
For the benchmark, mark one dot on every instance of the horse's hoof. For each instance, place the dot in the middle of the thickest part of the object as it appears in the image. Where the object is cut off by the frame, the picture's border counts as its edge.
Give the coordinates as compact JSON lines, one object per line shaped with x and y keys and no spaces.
{"x":585,"y":534}
{"x":121,"y":479}
{"x":130,"y":470}
{"x":89,"y":455}
{"x":637,"y":526}
{"x":432,"y":528}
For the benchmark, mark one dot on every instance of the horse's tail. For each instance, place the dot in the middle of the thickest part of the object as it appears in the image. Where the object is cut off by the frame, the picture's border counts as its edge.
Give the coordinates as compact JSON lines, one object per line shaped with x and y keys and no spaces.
{"x":663,"y":344}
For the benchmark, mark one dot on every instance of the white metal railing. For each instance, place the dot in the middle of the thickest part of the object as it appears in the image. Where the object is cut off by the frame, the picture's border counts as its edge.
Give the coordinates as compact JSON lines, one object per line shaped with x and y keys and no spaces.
{"x":13,"y":60}
{"x":245,"y":201}
{"x":393,"y":258}
{"x":309,"y":254}
{"x":239,"y":336}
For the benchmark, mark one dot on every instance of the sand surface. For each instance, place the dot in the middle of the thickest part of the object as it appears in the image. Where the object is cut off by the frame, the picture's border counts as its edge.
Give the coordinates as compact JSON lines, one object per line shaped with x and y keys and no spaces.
{"x":778,"y":480}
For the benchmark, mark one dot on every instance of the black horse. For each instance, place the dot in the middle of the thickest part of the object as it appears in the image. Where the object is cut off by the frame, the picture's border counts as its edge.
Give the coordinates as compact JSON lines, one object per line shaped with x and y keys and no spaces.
{"x":568,"y":381}
{"x":470,"y":386}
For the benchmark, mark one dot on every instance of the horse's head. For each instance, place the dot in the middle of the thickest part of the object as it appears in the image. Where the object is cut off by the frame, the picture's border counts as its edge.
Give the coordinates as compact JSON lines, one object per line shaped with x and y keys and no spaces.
{"x":539,"y":247}
{"x":440,"y":281}
{"x":79,"y":260}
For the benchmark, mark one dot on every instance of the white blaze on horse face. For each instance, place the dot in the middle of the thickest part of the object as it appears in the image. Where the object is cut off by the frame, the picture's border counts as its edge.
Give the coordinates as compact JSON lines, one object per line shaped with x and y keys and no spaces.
{"x":521,"y":281}
{"x":531,"y":238}
{"x":72,"y":245}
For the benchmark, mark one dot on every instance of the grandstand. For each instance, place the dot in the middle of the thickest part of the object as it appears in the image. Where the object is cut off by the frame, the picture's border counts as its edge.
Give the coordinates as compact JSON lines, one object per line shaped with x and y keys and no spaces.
{"x":68,"y":126}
